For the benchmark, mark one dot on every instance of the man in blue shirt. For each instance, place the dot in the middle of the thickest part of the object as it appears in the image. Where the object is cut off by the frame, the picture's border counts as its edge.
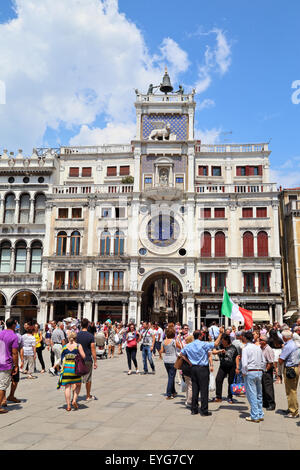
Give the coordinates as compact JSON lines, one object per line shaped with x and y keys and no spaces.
{"x":290,"y":358}
{"x":197,"y":352}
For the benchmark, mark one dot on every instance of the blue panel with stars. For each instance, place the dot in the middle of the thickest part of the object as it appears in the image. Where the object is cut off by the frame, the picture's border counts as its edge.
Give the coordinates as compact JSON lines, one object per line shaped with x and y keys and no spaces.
{"x":178,"y":124}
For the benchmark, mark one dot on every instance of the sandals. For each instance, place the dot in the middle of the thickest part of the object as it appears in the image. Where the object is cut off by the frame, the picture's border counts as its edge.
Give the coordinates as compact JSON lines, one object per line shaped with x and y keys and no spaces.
{"x":91,"y":398}
{"x":75,"y":405}
{"x":68,"y":408}
{"x":13,"y":399}
{"x":2,"y":410}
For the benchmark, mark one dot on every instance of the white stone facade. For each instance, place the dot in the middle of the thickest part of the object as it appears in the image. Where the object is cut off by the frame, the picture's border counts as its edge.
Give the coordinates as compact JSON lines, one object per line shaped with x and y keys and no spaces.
{"x":105,"y":240}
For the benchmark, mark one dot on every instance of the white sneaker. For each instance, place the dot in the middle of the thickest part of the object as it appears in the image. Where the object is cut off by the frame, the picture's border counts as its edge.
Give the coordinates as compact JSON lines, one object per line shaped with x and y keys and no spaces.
{"x":52,"y":371}
{"x":129,"y":372}
{"x":137,"y":371}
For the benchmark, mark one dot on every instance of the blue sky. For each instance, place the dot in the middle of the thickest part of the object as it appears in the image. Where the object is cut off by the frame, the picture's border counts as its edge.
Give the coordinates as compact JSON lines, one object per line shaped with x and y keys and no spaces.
{"x":70,"y":81}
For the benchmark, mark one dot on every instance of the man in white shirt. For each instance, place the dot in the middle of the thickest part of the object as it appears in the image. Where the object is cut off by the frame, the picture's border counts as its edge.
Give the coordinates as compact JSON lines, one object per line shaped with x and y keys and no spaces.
{"x":253,"y":365}
{"x":158,"y":338}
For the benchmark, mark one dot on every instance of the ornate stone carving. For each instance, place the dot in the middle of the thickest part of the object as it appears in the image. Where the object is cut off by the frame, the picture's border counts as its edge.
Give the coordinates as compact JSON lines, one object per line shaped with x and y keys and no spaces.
{"x":162,"y":131}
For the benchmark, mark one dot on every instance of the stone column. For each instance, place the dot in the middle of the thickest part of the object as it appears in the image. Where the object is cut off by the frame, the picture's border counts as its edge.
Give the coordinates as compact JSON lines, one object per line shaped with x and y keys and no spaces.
{"x":31,"y":211}
{"x":28,"y":251}
{"x":79,"y":311}
{"x":17,"y":211}
{"x":278,"y":313}
{"x":138,"y":321}
{"x":190,"y":312}
{"x":1,"y":211}
{"x":96,"y":312}
{"x":51,"y":311}
{"x":123,"y":313}
{"x":137,"y":164}
{"x":42,"y":313}
{"x":12,"y":260}
{"x":91,"y":231}
{"x":132,"y":308}
{"x":87,"y":310}
{"x":198,"y":316}
{"x":271,"y":313}
{"x":7,"y":312}
{"x":191,"y":159}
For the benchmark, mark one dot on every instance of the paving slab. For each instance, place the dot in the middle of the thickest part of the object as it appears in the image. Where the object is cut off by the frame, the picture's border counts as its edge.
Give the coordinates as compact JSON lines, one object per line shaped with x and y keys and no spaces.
{"x":132,"y":413}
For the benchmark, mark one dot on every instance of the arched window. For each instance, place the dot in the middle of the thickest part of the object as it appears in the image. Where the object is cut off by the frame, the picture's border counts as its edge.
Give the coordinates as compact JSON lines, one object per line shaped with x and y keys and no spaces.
{"x":119,"y":243}
{"x":5,"y":255}
{"x":262,"y":244}
{"x":206,"y":245}
{"x":105,"y":243}
{"x":39,"y":209}
{"x":20,"y":260}
{"x":61,"y":246}
{"x":36,"y":257}
{"x":24,"y":209}
{"x":248,"y":245}
{"x":75,"y":243}
{"x":9,"y":209}
{"x":219,"y":244}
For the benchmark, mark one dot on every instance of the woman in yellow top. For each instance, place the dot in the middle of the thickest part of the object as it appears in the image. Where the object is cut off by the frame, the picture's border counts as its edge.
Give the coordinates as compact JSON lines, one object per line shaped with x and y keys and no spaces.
{"x":39,"y":348}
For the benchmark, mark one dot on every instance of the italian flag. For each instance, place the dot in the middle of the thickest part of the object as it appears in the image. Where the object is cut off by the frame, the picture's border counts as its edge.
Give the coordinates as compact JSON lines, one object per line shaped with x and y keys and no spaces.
{"x":236,"y":313}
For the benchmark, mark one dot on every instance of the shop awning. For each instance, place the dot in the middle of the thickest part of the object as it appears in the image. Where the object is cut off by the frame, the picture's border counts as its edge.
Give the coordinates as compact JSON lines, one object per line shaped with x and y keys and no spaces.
{"x":260,"y":315}
{"x":289,"y":314}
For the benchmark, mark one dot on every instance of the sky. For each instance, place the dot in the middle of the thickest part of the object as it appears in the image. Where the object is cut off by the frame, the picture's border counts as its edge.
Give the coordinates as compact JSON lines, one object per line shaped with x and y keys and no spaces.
{"x":69,"y":68}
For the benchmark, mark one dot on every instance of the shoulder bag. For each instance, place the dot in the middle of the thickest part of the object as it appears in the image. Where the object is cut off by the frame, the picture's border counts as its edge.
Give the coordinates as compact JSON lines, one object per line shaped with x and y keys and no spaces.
{"x":80,"y":367}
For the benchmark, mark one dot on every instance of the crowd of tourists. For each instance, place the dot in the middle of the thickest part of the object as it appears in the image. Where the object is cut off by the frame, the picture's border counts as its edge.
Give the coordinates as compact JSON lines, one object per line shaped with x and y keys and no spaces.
{"x":255,"y":360}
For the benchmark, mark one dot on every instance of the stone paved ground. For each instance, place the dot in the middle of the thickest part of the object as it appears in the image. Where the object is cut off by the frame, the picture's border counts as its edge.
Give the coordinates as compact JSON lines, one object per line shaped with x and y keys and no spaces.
{"x":131,"y":413}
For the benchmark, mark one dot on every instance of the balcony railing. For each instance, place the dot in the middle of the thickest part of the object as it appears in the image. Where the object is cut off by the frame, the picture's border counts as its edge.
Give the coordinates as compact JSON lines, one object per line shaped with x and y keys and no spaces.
{"x":232,"y":148}
{"x":235,"y":188}
{"x":96,"y":149}
{"x":94,"y":189}
{"x":292,"y":206}
{"x":54,"y":286}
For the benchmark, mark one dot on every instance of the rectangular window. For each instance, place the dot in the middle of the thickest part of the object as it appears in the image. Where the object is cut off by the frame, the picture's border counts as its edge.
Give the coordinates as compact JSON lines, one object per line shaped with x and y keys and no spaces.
{"x":59,"y":280}
{"x":73,"y":280}
{"x":104,"y":280}
{"x":5,"y":260}
{"x":240,"y":171}
{"x":63,"y":213}
{"x":124,"y":170}
{"x":205,"y":213}
{"x":220,"y":281}
{"x":120,"y":212}
{"x":106,"y":212}
{"x":264,"y":282}
{"x":203,"y":170}
{"x":118,"y":277}
{"x":76,"y":212}
{"x":220,"y":213}
{"x":216,"y":171}
{"x":36,"y":260}
{"x":73,"y":172}
{"x":111,"y":171}
{"x":247,"y":212}
{"x":261,"y":212}
{"x":20,"y":266}
{"x":249,"y":282}
{"x":86,"y":171}
{"x":206,"y":282}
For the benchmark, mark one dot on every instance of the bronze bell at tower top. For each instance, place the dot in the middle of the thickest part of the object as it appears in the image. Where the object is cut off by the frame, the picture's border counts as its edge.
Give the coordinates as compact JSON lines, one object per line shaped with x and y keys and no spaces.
{"x":165,"y":86}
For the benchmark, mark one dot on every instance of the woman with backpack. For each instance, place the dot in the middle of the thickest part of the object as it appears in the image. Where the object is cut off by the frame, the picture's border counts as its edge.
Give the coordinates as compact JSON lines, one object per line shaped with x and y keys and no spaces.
{"x":132,"y":339}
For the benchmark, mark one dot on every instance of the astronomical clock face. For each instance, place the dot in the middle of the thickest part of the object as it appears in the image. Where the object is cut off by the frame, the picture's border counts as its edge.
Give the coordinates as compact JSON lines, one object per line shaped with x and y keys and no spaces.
{"x":163,"y":230}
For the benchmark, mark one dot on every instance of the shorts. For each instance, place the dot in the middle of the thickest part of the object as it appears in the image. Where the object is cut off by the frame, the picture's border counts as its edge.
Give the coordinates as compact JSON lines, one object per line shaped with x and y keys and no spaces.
{"x":87,"y":377}
{"x":5,"y":379}
{"x":277,"y":353}
{"x":16,"y":378}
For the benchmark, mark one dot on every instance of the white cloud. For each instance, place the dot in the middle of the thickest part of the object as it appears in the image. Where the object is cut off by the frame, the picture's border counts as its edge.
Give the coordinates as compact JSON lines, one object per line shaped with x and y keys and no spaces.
{"x":65,"y":63}
{"x":208,"y":136}
{"x":112,"y":133}
{"x":288,"y":174}
{"x":216,"y":59}
{"x":205,"y":104}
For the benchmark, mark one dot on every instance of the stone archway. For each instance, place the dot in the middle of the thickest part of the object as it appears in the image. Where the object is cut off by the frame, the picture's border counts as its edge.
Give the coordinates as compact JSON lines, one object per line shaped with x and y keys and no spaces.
{"x":161,"y":299}
{"x":24,"y":307}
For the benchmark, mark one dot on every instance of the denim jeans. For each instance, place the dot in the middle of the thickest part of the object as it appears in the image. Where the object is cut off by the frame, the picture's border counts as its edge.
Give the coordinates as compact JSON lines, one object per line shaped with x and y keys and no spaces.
{"x":253,"y":383}
{"x":171,"y":378}
{"x":147,"y":354}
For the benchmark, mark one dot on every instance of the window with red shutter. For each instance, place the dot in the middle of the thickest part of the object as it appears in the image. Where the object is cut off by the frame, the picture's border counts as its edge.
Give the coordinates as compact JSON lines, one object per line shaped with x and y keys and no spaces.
{"x":86,"y":172}
{"x":206,"y":213}
{"x":247,"y":212}
{"x":264,"y":282}
{"x":203,"y":170}
{"x":206,"y":245}
{"x":248,"y":245}
{"x":219,"y":213}
{"x":261,"y":212}
{"x":262,"y":244}
{"x":260,"y":170}
{"x":124,"y":170}
{"x":206,"y":282}
{"x":111,"y":171}
{"x":74,"y":172}
{"x":219,"y":244}
{"x":238,"y":171}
